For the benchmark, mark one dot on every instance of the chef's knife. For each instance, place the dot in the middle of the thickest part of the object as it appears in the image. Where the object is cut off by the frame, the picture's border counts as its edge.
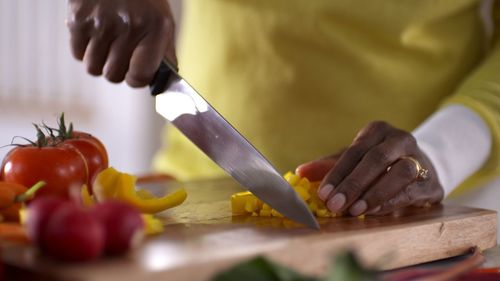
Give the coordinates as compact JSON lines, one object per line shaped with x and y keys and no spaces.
{"x":179,"y":103}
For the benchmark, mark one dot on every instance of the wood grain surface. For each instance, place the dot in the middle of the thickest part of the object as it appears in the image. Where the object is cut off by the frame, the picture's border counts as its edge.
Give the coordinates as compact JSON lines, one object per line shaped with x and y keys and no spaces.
{"x":201,"y":238}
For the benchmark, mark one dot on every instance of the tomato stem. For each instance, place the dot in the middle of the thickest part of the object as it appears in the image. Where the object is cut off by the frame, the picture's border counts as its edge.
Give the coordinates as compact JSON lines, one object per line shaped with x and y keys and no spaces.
{"x":30,"y":192}
{"x":64,"y":132}
{"x":41,"y":138}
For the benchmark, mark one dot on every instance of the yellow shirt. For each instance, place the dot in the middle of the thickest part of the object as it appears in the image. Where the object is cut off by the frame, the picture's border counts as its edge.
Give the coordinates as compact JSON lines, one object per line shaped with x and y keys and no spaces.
{"x":300,"y":78}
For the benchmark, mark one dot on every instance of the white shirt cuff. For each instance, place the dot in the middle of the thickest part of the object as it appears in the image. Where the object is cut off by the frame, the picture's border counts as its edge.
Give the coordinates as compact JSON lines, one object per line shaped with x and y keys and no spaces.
{"x":457,"y":141}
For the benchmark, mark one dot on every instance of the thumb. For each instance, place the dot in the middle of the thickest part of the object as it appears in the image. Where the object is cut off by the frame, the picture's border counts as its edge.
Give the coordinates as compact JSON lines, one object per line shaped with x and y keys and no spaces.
{"x":317,"y":169}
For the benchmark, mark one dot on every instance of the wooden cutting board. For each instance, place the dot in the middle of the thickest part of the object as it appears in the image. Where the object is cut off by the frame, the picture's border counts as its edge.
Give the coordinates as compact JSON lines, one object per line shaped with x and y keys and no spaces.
{"x":201,"y":238}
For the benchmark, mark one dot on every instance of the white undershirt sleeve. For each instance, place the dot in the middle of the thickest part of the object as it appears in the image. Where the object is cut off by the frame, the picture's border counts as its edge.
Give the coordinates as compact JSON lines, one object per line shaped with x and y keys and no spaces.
{"x":457,"y":141}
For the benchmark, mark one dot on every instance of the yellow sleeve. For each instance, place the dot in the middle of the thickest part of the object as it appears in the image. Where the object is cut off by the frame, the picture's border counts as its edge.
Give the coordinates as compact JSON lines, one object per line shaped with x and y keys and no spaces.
{"x":481,"y":92}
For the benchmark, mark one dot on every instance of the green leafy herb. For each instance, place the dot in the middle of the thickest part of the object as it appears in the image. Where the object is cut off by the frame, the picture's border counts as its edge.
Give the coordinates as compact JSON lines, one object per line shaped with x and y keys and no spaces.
{"x":345,"y":267}
{"x":261,"y":269}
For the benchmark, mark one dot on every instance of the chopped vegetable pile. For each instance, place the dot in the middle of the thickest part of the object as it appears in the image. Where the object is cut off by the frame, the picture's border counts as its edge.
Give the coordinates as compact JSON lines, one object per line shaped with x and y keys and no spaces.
{"x":245,"y":203}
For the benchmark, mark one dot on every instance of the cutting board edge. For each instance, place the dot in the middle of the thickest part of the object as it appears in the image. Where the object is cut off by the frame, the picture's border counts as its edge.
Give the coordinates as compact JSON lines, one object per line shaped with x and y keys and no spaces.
{"x":280,"y":255}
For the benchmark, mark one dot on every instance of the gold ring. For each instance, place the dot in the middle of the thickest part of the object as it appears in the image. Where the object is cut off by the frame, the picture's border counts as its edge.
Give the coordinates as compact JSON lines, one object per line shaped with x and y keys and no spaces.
{"x":421,"y":173}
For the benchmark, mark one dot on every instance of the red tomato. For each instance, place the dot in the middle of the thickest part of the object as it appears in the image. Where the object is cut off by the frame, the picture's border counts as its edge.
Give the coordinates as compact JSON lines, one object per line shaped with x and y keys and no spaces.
{"x":96,"y":161}
{"x":62,"y":167}
{"x":93,"y":151}
{"x":96,"y":141}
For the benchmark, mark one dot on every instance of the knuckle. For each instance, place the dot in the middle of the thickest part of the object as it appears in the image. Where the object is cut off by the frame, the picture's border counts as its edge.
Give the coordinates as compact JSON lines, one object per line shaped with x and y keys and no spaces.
{"x":156,"y":22}
{"x":139,"y":23}
{"x":107,"y":26}
{"x":334,"y":177}
{"x":166,"y":24}
{"x":408,"y":139}
{"x":355,"y":152}
{"x":378,"y":125}
{"x":352,"y":186}
{"x":379,"y":195}
{"x":77,"y":26}
{"x":380,"y":156}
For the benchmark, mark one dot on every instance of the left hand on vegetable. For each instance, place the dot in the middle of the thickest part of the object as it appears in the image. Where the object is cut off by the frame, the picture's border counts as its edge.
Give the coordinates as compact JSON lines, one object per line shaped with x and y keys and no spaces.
{"x":382,"y":171}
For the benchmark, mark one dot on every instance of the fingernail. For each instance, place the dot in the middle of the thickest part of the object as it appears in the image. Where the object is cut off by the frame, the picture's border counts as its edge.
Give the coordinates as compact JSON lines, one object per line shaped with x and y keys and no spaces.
{"x":374,"y":210}
{"x":336,"y":203}
{"x":325,"y":191}
{"x":358,"y":208}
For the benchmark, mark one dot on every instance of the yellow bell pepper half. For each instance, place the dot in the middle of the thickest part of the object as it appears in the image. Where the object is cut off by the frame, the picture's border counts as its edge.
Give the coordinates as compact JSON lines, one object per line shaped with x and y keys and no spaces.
{"x":111,"y":184}
{"x":245,"y":203}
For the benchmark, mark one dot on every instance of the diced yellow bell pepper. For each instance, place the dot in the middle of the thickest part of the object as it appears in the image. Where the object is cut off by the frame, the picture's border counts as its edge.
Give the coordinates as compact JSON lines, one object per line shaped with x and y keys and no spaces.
{"x":313,"y":206}
{"x":265,"y":213}
{"x":266,"y":207}
{"x":238,"y":202}
{"x":291,"y":178}
{"x":303,"y":193}
{"x":152,"y":225}
{"x":275,"y":213}
{"x":304,"y":183}
{"x":245,"y":203}
{"x":322,"y":213}
{"x":251,"y":205}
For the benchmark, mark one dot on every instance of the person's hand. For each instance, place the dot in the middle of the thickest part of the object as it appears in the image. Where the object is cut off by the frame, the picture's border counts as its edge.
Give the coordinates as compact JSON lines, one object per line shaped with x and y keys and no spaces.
{"x":122,"y":39}
{"x":377,"y":174}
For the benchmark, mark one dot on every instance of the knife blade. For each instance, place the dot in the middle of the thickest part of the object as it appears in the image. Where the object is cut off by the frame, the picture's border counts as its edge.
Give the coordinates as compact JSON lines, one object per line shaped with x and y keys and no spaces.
{"x":187,"y":110}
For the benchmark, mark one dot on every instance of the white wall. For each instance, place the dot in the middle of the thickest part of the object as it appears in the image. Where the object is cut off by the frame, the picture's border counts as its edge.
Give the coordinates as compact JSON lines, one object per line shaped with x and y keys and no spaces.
{"x":39,"y":79}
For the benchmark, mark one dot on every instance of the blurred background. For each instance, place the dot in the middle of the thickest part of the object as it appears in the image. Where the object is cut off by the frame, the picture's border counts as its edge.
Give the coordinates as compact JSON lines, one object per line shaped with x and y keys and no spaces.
{"x":39,"y":79}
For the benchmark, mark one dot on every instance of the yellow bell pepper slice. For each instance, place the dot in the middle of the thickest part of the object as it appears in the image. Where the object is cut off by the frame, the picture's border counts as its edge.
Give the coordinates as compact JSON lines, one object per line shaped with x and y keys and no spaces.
{"x":111,"y":184}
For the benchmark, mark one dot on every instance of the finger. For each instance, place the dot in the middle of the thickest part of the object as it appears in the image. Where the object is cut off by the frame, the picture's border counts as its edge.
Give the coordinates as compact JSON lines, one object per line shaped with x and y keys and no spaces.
{"x":79,"y":43}
{"x":370,"y":136}
{"x":79,"y":29}
{"x":403,"y":199}
{"x":315,"y":170}
{"x":401,"y":174}
{"x":147,"y":56}
{"x":117,"y":63}
{"x":343,"y":166}
{"x":106,"y":28}
{"x":95,"y":55}
{"x":371,"y":167}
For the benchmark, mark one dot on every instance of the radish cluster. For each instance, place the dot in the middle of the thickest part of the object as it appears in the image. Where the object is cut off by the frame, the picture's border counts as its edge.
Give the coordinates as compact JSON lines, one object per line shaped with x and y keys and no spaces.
{"x":65,"y":230}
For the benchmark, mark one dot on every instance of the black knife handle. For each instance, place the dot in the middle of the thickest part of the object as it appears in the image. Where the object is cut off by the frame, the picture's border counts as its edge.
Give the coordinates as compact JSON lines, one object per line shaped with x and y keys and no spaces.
{"x":162,"y":77}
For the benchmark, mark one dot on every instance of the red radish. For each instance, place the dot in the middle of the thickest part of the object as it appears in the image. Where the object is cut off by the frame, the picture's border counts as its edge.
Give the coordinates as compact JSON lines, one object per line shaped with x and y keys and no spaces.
{"x":122,"y":223}
{"x":73,"y":234}
{"x":38,"y":213}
